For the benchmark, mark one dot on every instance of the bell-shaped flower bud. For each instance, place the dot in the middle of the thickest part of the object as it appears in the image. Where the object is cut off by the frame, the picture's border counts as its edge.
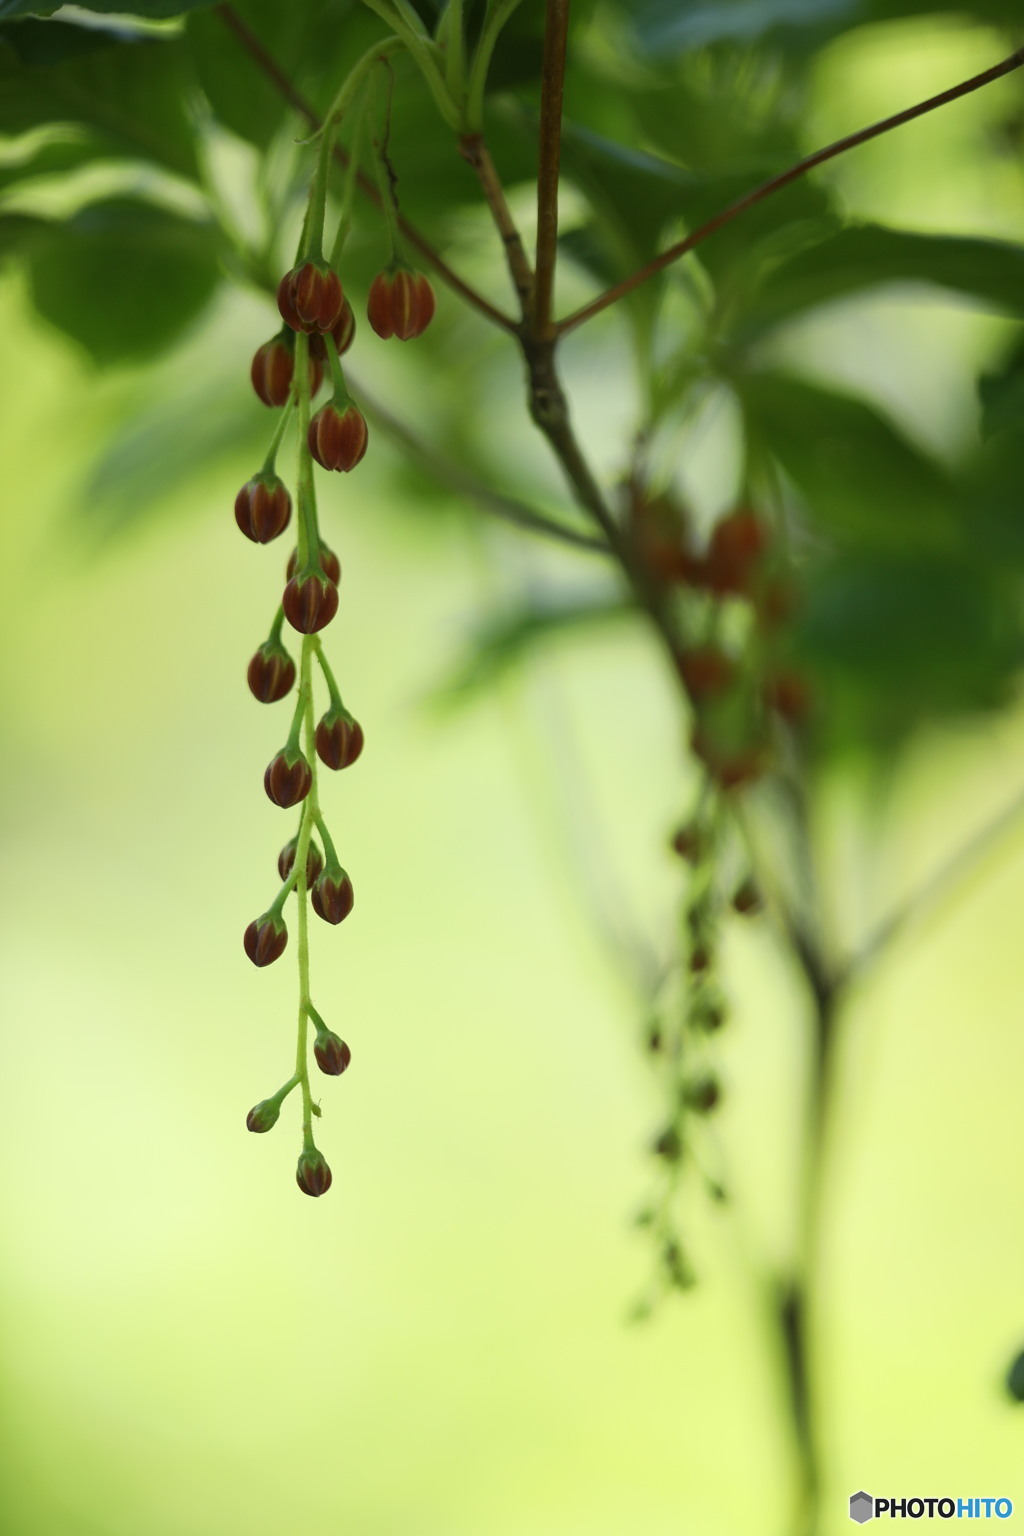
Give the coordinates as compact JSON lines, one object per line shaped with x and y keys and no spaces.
{"x":400,"y":303}
{"x":273,"y":367}
{"x":263,"y":508}
{"x":265,"y":939}
{"x":337,"y":439}
{"x":331,"y":1052}
{"x":312,"y":1173}
{"x":288,"y":778}
{"x":339,"y":739}
{"x":264,"y":1115}
{"x":310,"y":297}
{"x":333,"y":897}
{"x":310,"y":602}
{"x":286,"y":861}
{"x":271,"y":673}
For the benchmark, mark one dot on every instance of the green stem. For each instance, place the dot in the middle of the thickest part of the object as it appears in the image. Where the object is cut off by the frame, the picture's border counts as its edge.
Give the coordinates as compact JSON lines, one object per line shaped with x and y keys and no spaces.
{"x":498,"y":12}
{"x":330,"y":852}
{"x":351,"y":181}
{"x":275,"y":628}
{"x":401,"y":18}
{"x":309,"y":812}
{"x":309,"y":538}
{"x":342,"y":398}
{"x":388,"y":195}
{"x":332,"y":686}
{"x":313,"y":231}
{"x":356,"y":77}
{"x":455,"y":72}
{"x":282,"y":426}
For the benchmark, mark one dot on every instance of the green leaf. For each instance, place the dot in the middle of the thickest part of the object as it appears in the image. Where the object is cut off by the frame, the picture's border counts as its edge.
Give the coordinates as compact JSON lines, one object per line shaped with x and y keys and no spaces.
{"x":129,"y":90}
{"x":989,"y":271}
{"x":149,"y":10}
{"x":678,"y":26}
{"x":892,"y":640}
{"x":123,"y":278}
{"x":861,"y":479}
{"x":12,"y":8}
{"x":1002,"y":395}
{"x":504,"y":642}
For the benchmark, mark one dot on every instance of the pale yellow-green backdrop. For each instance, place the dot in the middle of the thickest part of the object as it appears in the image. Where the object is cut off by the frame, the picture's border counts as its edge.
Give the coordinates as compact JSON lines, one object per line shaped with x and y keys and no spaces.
{"x":440,"y":1347}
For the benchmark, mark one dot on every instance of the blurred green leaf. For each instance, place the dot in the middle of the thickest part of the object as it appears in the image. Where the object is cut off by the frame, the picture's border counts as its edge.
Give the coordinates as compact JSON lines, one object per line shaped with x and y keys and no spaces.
{"x":663,"y":27}
{"x":894,"y":640}
{"x":149,"y":10}
{"x":12,"y":8}
{"x":123,"y":278}
{"x":502,"y":643}
{"x":141,"y":468}
{"x":1002,"y":395}
{"x":865,"y":256}
{"x":306,"y":41}
{"x":667,"y":27}
{"x":130,"y":90}
{"x":54,"y":158}
{"x":993,"y":499}
{"x":861,"y":478}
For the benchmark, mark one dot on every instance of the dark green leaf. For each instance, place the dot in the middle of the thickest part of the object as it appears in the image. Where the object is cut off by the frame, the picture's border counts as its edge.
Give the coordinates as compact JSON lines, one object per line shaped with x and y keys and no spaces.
{"x":123,"y":278}
{"x":1002,"y":395}
{"x":149,"y":10}
{"x":852,"y":260}
{"x":860,"y":477}
{"x":678,"y":26}
{"x":894,"y":640}
{"x":55,"y":158}
{"x":129,"y":90}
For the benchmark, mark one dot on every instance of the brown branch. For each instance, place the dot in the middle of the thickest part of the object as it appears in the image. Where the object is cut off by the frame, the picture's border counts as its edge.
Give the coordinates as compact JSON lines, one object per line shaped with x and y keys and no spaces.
{"x":474,"y":151}
{"x":556,"y":29}
{"x":294,"y":97}
{"x":776,"y":183}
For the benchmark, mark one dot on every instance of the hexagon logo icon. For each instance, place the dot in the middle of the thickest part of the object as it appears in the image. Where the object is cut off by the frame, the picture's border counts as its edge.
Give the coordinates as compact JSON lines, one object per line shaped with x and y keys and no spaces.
{"x":862,"y":1507}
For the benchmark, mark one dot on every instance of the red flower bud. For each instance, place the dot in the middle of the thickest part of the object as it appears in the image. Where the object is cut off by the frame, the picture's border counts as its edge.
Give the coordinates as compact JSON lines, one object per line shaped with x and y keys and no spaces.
{"x":310,"y":297}
{"x":339,"y":739}
{"x":331,"y":1052}
{"x":337,"y":439}
{"x":265,"y":939}
{"x":271,"y":673}
{"x":288,"y":778}
{"x":668,"y":1145}
{"x":747,"y":899}
{"x":688,"y":842}
{"x":263,"y":1116}
{"x":706,"y":671}
{"x":273,"y":367}
{"x":333,"y":897}
{"x":263,"y":508}
{"x":343,"y":331}
{"x":312,"y":1174}
{"x":738,"y":542}
{"x":400,"y":303}
{"x":329,"y":564}
{"x":703,"y":1094}
{"x":286,"y":861}
{"x":789,"y":695}
{"x":310,"y":602}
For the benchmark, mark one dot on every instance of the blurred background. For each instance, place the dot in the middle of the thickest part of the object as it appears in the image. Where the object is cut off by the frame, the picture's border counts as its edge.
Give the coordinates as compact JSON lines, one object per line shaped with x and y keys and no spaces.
{"x":443,"y":1345}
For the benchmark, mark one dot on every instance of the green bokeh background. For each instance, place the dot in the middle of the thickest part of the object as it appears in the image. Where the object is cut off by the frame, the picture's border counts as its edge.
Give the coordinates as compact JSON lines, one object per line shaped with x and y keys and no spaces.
{"x":441,"y":1346}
